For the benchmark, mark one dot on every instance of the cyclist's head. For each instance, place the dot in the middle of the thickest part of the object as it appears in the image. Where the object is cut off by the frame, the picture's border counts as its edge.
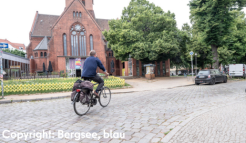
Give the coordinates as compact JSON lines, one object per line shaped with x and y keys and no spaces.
{"x":93,"y":53}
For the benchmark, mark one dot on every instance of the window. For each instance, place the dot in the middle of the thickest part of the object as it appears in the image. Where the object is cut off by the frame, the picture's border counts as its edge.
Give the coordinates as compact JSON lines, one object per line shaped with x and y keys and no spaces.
{"x":21,"y":48}
{"x":36,"y":54}
{"x":109,"y":54}
{"x":91,"y":42}
{"x":78,"y":40}
{"x":112,"y":53}
{"x":80,"y":14}
{"x":65,"y":44}
{"x":164,"y":68}
{"x":77,"y":14}
{"x":203,"y":72}
{"x":45,"y":54}
{"x":158,"y":69}
{"x":83,"y":1}
{"x":74,"y":14}
{"x":41,"y":54}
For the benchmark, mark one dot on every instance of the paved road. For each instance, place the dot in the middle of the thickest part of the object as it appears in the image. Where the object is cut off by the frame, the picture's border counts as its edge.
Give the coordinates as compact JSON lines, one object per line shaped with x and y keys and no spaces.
{"x":142,"y":116}
{"x":227,"y":125}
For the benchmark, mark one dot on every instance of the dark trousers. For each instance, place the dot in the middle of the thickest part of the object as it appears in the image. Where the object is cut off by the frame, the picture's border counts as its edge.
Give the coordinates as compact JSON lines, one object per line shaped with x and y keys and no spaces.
{"x":97,"y":79}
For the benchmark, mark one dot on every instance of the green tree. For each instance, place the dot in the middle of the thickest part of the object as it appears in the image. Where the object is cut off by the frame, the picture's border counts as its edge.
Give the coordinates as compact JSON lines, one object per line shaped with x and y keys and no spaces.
{"x":234,"y":46}
{"x":15,"y":52}
{"x":145,"y":32}
{"x":212,"y":20}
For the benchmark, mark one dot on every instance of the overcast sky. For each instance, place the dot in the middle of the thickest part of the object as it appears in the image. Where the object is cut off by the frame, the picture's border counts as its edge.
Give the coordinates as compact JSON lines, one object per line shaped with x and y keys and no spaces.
{"x":16,"y":16}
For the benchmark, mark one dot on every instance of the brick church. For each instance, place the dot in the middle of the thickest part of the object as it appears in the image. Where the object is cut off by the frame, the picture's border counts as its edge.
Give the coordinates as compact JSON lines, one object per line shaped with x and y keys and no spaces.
{"x":67,"y":39}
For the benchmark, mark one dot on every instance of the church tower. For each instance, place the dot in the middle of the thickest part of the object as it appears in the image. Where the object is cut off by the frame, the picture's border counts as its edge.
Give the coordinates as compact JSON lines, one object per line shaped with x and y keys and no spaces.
{"x":89,"y":6}
{"x":87,"y":3}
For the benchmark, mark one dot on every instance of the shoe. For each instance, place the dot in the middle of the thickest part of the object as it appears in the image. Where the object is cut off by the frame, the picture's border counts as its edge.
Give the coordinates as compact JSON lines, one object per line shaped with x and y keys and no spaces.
{"x":97,"y":96}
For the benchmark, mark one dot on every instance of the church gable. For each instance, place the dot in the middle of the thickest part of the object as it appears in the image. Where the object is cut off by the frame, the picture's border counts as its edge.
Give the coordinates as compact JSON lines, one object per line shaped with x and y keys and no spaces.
{"x":76,"y":11}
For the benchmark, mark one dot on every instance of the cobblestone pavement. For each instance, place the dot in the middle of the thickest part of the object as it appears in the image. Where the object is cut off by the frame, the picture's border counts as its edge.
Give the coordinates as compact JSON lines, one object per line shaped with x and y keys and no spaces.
{"x":227,"y":125}
{"x":142,"y":116}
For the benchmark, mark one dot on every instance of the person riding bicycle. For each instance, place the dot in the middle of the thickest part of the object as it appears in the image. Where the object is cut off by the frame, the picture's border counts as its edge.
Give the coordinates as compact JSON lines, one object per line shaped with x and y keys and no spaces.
{"x":90,"y":71}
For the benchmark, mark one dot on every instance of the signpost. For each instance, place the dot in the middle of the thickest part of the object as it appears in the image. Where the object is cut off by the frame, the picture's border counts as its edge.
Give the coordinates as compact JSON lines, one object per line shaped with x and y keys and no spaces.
{"x":191,"y":54}
{"x":2,"y":45}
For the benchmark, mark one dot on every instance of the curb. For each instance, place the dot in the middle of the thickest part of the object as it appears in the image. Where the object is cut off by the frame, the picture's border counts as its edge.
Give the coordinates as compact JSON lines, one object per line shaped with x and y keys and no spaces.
{"x":61,"y":97}
{"x":28,"y":100}
{"x":170,"y":135}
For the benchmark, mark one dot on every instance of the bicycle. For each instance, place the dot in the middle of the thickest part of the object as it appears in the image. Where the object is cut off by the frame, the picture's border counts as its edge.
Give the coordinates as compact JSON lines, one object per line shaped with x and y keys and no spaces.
{"x":83,"y":108}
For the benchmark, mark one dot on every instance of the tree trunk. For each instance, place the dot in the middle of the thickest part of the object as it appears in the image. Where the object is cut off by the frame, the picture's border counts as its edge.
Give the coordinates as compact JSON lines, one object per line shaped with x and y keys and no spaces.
{"x":215,"y":56}
{"x":202,"y":65}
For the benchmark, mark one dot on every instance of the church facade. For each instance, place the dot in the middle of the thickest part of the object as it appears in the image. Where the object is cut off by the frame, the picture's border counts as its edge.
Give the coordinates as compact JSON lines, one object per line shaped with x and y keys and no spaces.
{"x":67,"y":39}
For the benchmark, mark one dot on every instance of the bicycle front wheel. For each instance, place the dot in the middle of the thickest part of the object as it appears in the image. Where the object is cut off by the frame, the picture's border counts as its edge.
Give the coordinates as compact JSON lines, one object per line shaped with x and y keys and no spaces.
{"x":105,"y":97}
{"x":81,"y":109}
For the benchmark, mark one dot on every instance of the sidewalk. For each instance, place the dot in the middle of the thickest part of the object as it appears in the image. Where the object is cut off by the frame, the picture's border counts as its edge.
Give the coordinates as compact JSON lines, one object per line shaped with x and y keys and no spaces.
{"x":138,"y":85}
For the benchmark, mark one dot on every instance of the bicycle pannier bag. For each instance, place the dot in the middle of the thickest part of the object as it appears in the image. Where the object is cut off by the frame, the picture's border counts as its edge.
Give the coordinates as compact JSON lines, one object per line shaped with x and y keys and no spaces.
{"x":87,"y":85}
{"x":73,"y":95}
{"x":77,"y":85}
{"x":84,"y":98}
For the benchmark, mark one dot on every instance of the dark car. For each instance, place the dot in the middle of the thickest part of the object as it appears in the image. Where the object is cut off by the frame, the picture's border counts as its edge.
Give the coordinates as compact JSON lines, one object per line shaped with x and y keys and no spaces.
{"x":210,"y":76}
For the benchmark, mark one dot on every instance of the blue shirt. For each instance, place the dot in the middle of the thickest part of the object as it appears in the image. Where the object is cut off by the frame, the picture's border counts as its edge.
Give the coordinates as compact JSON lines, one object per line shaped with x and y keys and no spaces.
{"x":90,"y":67}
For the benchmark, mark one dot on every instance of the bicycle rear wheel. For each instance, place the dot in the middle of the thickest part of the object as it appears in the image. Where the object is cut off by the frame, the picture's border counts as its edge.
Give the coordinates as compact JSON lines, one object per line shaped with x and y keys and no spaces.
{"x":105,"y":97}
{"x":81,"y":109}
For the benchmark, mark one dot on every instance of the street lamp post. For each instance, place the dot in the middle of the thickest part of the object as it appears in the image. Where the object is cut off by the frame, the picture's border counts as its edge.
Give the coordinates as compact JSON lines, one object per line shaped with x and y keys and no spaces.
{"x":196,"y":62}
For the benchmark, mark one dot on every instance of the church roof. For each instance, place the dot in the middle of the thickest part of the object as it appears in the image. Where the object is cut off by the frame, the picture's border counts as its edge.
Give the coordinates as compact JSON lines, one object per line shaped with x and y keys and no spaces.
{"x":43,"y":45}
{"x":103,"y":23}
{"x":44,"y":24}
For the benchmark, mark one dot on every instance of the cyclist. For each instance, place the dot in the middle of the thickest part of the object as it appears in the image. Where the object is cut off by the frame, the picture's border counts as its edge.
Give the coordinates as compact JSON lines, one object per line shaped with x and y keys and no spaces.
{"x":90,"y":68}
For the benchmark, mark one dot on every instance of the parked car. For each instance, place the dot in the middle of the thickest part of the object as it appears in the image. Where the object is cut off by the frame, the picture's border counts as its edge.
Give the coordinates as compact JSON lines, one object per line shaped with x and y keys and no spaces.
{"x":210,"y":76}
{"x":181,"y":74}
{"x":237,"y":70}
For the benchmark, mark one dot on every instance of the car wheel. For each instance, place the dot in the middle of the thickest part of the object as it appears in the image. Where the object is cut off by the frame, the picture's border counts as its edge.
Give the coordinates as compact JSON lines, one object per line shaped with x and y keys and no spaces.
{"x":212,"y":82}
{"x":197,"y":83}
{"x":225,"y":80}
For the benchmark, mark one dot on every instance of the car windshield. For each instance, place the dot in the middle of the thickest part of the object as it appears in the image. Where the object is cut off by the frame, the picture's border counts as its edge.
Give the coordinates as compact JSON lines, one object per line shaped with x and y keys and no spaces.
{"x":203,"y":73}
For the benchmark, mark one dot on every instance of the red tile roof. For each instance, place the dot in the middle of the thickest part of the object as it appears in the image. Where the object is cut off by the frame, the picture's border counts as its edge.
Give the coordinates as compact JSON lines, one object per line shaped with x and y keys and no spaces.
{"x":103,"y":23}
{"x":15,"y":45}
{"x":43,"y":25}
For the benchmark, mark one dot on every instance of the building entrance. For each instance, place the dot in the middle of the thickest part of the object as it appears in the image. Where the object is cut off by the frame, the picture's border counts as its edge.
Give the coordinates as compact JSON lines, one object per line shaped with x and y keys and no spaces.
{"x":74,"y":67}
{"x":78,"y":73}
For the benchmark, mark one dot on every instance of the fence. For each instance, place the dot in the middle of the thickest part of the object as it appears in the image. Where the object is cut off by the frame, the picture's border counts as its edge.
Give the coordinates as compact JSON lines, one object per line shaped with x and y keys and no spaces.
{"x":52,"y":87}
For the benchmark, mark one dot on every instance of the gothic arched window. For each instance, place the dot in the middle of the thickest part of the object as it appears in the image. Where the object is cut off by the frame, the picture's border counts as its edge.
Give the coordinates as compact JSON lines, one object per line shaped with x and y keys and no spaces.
{"x":65,"y":44}
{"x":41,"y":54}
{"x":91,"y":42}
{"x":80,"y":14}
{"x":74,"y":14}
{"x":45,"y":54}
{"x":77,"y":14}
{"x":78,"y":40}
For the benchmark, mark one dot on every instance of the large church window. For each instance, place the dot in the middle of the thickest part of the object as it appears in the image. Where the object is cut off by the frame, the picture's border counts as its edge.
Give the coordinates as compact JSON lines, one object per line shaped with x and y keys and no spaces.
{"x":91,"y":42}
{"x":65,"y":44}
{"x":78,"y":40}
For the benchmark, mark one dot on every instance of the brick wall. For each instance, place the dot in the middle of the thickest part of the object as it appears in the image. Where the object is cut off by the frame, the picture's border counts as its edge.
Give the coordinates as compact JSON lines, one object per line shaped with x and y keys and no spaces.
{"x":64,"y":25}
